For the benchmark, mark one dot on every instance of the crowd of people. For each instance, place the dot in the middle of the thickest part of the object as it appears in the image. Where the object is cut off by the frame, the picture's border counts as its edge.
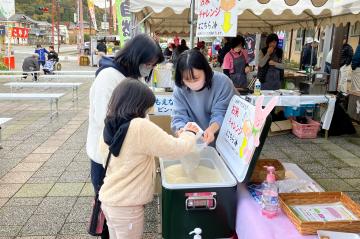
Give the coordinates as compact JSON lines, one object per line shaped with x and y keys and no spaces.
{"x":119,"y":131}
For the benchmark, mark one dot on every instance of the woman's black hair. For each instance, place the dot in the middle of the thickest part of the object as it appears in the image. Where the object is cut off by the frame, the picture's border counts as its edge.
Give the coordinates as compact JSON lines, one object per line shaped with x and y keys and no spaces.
{"x":130,"y":99}
{"x":189,"y":60}
{"x":236,"y":41}
{"x":272,"y":37}
{"x":141,"y":49}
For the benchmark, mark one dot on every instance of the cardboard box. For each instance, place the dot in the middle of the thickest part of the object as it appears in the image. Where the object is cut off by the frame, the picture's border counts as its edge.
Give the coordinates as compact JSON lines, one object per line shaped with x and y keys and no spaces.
{"x":280,"y":127}
{"x":163,"y":121}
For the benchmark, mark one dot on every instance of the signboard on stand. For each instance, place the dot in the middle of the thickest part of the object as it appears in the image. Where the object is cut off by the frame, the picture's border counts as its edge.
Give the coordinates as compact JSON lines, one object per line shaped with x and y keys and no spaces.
{"x":124,"y":20}
{"x":216,"y":18}
{"x":164,"y":105}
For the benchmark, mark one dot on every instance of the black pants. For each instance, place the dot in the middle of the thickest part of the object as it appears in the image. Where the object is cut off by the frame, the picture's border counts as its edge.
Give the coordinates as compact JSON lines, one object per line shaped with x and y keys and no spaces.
{"x":97,"y":171}
{"x":35,"y":76}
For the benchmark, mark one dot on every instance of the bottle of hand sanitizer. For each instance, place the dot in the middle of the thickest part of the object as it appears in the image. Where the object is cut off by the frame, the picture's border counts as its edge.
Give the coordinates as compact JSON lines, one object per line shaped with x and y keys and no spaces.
{"x":257,"y":87}
{"x":270,"y":195}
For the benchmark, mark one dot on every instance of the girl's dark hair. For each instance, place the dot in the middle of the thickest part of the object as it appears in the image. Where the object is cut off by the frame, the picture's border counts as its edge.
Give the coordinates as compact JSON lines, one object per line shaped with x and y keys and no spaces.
{"x":238,"y":40}
{"x":272,"y":37}
{"x":38,"y":45}
{"x":189,"y":60}
{"x":141,"y":49}
{"x":130,"y":99}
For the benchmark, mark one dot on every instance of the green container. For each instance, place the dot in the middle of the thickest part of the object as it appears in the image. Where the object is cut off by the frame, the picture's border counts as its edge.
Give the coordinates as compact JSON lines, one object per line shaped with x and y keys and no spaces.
{"x":209,"y":206}
{"x":178,"y":219}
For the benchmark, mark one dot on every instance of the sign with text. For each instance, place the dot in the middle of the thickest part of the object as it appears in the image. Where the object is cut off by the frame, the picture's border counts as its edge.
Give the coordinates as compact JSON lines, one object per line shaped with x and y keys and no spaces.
{"x":164,"y":105}
{"x":216,"y":18}
{"x":240,"y":132}
{"x":20,"y":32}
{"x":92,"y":13}
{"x":250,"y":44}
{"x":124,"y":20}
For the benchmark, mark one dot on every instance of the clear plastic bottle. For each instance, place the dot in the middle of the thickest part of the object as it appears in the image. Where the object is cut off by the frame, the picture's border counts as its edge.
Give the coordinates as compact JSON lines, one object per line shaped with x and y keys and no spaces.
{"x":270,"y":194}
{"x":257,"y":87}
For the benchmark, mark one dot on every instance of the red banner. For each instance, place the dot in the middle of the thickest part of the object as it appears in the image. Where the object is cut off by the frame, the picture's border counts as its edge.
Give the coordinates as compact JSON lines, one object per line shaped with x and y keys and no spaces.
{"x":20,"y":32}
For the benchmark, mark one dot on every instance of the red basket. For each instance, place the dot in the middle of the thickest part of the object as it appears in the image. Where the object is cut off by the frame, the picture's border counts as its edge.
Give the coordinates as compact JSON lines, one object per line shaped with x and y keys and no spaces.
{"x":305,"y":131}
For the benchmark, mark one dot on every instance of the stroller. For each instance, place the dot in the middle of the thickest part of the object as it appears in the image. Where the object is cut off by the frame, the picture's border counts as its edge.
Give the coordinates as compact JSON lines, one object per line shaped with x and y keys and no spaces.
{"x":48,"y":68}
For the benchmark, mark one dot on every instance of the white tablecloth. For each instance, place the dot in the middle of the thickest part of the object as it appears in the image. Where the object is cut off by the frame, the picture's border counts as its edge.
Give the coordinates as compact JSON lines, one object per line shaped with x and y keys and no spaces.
{"x":297,"y":100}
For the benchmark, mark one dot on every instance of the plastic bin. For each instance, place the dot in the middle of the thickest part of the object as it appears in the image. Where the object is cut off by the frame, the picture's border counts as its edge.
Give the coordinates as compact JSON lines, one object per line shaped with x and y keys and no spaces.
{"x":305,"y":131}
{"x":291,"y":111}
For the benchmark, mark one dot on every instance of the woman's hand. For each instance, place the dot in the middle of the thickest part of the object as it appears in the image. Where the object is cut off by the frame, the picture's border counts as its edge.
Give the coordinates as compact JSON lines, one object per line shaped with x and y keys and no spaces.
{"x":247,"y":70}
{"x":272,"y":63}
{"x":209,"y":136}
{"x":270,"y":50}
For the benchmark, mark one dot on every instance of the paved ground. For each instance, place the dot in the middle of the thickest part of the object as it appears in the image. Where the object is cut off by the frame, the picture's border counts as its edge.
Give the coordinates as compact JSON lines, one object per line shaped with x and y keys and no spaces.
{"x":45,"y":190}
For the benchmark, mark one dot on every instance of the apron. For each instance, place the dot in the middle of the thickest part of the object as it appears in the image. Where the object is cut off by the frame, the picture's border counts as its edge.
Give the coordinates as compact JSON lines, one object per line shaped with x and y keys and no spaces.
{"x":272,"y":77}
{"x":238,"y":77}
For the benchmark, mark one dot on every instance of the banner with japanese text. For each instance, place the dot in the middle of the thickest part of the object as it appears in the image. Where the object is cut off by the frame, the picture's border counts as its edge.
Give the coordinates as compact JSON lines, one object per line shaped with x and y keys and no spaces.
{"x":92,"y":13}
{"x":20,"y":32}
{"x":124,"y":20}
{"x":216,"y":18}
{"x":250,"y":46}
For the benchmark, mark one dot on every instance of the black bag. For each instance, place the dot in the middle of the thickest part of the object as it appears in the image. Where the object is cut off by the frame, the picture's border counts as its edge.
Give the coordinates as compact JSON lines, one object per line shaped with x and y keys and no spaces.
{"x":97,"y":218}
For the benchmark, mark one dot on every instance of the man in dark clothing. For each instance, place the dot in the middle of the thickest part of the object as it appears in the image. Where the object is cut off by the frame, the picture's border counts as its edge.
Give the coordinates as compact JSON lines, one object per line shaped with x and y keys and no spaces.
{"x":346,"y":54}
{"x":179,"y":49}
{"x":52,"y":55}
{"x":224,"y":50}
{"x":101,"y":47}
{"x":31,"y":64}
{"x":309,"y":48}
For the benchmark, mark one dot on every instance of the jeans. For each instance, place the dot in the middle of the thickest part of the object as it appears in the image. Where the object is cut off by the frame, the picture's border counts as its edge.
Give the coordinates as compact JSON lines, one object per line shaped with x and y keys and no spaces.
{"x":97,"y":171}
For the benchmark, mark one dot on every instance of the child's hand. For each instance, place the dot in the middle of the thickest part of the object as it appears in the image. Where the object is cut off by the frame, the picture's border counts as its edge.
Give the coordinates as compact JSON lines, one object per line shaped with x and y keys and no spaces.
{"x":192,"y":127}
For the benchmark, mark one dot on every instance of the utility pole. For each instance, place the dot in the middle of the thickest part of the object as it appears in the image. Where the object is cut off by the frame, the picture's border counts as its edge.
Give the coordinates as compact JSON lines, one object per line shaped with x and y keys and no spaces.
{"x":111,"y":18}
{"x":58,"y":23}
{"x":81,"y":27}
{"x":52,"y":22}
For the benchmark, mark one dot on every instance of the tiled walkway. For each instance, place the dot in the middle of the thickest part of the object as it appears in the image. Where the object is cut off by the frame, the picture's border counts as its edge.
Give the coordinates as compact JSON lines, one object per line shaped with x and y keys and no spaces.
{"x":45,"y":189}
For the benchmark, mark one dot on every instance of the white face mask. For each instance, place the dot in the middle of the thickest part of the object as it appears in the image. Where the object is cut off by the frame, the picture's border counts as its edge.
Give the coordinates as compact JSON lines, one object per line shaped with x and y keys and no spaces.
{"x":145,"y":70}
{"x":195,"y":86}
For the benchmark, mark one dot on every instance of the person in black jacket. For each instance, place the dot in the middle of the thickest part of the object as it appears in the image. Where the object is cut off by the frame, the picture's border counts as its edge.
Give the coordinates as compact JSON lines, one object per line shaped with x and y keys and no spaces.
{"x":224,"y":50}
{"x":52,"y":55}
{"x":346,"y":54}
{"x":309,"y":47}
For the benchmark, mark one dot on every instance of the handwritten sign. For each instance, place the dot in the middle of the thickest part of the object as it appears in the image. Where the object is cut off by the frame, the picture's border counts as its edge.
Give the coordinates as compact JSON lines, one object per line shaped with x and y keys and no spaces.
{"x":216,"y":18}
{"x":239,"y":133}
{"x":20,"y":32}
{"x":164,"y":105}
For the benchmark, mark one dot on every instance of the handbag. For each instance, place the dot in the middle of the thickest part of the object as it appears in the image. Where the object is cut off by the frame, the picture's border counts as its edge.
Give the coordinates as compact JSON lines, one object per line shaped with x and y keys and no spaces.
{"x":97,"y":218}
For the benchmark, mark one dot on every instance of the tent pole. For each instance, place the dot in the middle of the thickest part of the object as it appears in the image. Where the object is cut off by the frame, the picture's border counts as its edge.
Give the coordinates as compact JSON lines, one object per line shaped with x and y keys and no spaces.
{"x":142,"y":20}
{"x":192,"y":14}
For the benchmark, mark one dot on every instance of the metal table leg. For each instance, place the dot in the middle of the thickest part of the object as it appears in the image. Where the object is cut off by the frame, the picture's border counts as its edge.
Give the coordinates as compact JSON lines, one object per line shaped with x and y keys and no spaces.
{"x":1,"y":147}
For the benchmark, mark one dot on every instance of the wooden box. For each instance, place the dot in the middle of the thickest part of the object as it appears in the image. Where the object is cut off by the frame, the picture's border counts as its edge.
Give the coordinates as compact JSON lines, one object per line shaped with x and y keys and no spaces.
{"x":286,"y":200}
{"x":354,"y":105}
{"x":259,"y":173}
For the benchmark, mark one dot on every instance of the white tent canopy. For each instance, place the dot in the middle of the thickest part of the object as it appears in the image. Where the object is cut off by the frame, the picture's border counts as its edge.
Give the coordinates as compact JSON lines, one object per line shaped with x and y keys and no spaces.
{"x":171,"y":16}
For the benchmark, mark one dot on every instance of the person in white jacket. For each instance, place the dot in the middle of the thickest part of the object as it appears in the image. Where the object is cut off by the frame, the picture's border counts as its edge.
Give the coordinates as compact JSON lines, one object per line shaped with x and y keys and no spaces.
{"x":136,"y":60}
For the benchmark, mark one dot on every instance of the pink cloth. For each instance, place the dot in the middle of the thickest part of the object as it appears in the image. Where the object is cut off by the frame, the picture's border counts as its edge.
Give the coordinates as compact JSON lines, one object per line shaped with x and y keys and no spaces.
{"x":251,"y":224}
{"x":228,"y":63}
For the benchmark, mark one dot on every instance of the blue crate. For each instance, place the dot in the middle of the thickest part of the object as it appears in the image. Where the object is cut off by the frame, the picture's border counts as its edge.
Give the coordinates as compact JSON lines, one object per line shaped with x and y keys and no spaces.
{"x":291,"y":111}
